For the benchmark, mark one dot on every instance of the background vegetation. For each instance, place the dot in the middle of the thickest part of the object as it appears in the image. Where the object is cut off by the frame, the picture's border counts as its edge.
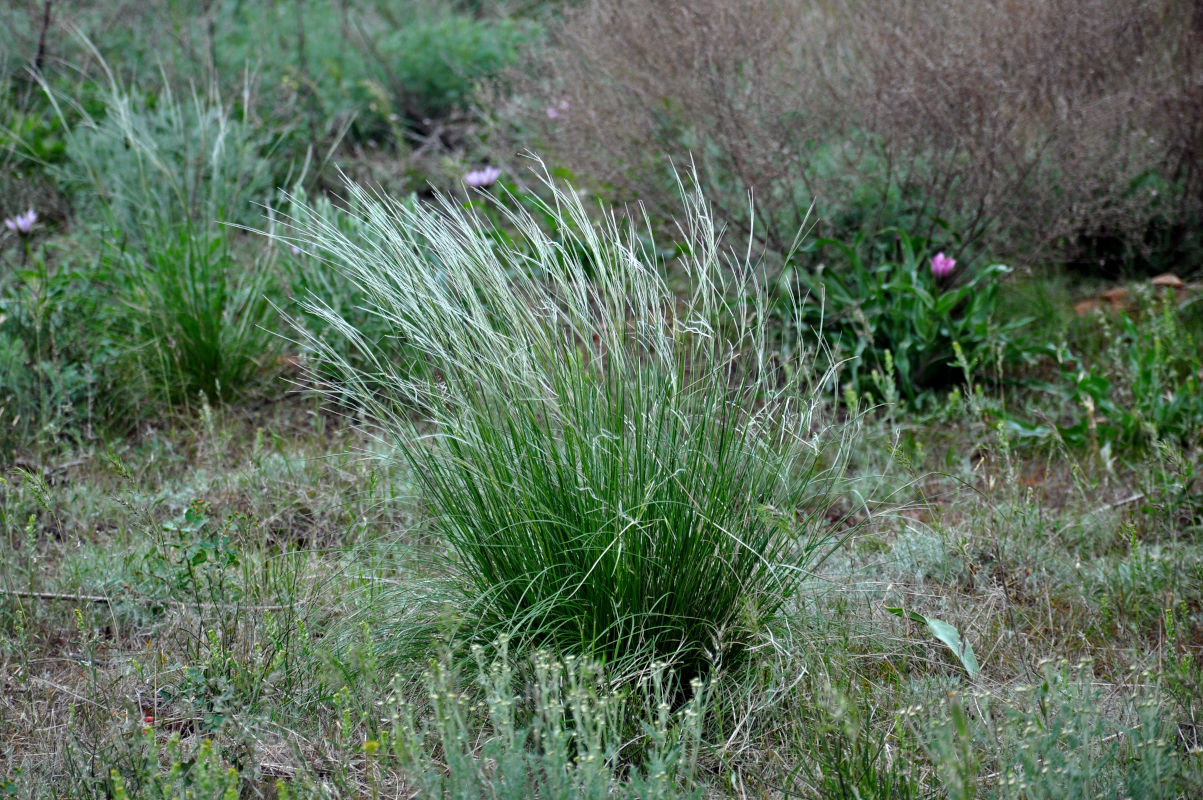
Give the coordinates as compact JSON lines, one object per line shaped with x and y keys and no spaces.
{"x":348,"y":450}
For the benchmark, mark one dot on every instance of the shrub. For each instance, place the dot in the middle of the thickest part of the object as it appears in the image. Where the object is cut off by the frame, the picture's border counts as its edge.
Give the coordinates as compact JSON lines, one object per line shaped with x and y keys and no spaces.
{"x":561,"y":736}
{"x":1018,"y":125}
{"x":619,"y":473}
{"x":433,"y":67}
{"x":1054,"y":741}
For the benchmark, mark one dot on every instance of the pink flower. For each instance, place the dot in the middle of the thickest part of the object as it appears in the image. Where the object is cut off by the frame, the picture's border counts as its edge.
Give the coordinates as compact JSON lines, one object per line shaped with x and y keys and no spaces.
{"x":942,"y":266}
{"x":22,"y":224}
{"x":553,"y":112}
{"x":480,"y":178}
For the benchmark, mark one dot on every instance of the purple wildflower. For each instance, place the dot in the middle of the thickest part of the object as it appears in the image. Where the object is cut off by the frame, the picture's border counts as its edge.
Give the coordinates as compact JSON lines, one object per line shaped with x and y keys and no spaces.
{"x":553,"y":112}
{"x":480,"y":178}
{"x":22,"y":224}
{"x":942,"y":266}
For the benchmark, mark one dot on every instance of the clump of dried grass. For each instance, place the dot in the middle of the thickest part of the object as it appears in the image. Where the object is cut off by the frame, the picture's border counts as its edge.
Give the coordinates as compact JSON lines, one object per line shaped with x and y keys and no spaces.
{"x":1019,"y":123}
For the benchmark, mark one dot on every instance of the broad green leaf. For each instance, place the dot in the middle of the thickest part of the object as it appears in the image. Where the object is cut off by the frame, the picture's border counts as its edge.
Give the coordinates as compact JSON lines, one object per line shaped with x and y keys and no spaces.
{"x":947,"y":634}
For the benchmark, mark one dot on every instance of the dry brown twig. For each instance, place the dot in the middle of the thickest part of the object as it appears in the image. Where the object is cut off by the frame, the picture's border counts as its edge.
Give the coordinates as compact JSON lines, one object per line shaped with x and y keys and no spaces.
{"x":149,"y":601}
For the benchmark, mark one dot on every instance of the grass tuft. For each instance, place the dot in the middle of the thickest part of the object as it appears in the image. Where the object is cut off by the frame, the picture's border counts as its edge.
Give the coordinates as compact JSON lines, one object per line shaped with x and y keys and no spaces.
{"x":618,"y":473}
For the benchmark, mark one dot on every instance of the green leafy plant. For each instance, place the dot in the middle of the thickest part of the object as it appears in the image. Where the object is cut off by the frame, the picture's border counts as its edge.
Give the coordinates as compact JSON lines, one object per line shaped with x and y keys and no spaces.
{"x":52,"y":368}
{"x":619,"y":473}
{"x":1143,"y":386}
{"x":905,"y":331}
{"x":947,"y":634}
{"x":191,"y":559}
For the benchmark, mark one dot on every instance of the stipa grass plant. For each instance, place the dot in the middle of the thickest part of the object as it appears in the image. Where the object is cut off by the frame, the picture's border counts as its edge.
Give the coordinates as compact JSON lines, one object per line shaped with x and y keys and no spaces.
{"x":160,"y":180}
{"x":164,"y":158}
{"x":309,"y":275}
{"x":617,"y":471}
